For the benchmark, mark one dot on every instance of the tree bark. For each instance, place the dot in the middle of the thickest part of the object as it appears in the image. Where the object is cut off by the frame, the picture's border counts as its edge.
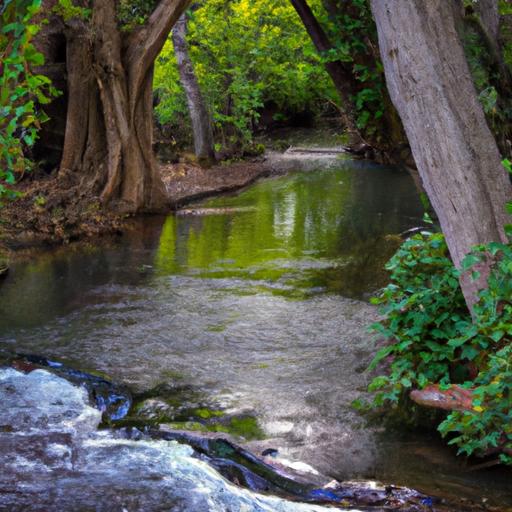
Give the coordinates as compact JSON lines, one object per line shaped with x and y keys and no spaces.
{"x":200,"y":117}
{"x":341,"y":75}
{"x":109,"y":126}
{"x":488,"y":10}
{"x":429,"y":82}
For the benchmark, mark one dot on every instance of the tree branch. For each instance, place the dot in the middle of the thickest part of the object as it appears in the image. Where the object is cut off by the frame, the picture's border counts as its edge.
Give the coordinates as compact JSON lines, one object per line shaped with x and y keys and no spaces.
{"x":143,"y":45}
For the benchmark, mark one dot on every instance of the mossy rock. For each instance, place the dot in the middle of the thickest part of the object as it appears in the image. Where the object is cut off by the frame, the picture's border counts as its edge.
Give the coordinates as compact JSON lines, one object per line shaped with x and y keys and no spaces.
{"x":243,"y":427}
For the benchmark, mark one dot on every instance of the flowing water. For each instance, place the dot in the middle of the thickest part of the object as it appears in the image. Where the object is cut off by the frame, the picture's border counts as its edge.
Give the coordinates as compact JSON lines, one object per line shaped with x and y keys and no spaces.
{"x":257,"y":302}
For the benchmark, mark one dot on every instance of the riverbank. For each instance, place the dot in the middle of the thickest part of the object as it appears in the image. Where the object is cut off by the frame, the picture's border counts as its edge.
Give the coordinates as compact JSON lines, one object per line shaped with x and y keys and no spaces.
{"x":54,"y":211}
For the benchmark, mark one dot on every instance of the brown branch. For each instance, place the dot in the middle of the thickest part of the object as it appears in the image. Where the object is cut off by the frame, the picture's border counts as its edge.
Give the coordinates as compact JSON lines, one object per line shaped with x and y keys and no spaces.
{"x":144,"y":44}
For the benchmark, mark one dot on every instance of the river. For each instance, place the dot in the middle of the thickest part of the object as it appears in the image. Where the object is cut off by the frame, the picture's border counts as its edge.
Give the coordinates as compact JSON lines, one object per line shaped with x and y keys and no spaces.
{"x":257,"y":305}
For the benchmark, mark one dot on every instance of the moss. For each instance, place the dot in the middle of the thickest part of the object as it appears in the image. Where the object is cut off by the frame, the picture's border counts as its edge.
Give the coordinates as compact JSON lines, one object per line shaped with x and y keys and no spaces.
{"x":245,"y":427}
{"x":193,"y":426}
{"x":206,"y":413}
{"x":216,"y":328}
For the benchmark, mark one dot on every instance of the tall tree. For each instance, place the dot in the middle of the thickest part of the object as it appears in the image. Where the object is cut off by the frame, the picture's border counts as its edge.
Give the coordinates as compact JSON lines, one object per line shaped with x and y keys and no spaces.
{"x":457,"y":156}
{"x":108,"y":138}
{"x":340,"y":73}
{"x":202,"y":129}
{"x":348,"y":43}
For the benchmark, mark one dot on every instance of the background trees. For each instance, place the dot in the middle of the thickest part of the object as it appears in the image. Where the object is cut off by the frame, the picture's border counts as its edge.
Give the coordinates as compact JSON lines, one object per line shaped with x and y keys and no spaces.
{"x":251,"y":59}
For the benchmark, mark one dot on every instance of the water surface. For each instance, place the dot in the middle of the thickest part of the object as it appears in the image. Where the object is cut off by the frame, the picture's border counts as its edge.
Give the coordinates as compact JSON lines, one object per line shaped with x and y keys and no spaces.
{"x":261,"y":307}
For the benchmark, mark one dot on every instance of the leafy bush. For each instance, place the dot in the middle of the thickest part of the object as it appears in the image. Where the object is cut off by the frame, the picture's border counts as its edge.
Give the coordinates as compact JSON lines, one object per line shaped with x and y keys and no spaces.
{"x":433,"y":338}
{"x":21,"y":90}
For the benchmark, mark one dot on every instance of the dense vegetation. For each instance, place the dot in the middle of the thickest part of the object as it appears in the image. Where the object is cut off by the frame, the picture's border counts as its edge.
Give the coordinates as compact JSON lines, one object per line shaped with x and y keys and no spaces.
{"x":249,"y":57}
{"x":433,"y":339}
{"x":22,"y":91}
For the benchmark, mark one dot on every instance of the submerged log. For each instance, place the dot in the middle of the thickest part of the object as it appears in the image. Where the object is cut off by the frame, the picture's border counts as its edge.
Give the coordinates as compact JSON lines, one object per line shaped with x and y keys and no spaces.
{"x":454,"y":399}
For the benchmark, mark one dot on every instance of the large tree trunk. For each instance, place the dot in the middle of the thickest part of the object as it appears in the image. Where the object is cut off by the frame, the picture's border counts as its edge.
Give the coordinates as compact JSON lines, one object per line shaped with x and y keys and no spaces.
{"x":109,"y":127}
{"x":200,"y":117}
{"x":457,"y":157}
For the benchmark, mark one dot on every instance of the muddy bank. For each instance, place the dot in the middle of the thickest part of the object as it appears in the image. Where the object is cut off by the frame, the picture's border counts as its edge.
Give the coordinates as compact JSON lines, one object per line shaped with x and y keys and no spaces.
{"x":53,"y":211}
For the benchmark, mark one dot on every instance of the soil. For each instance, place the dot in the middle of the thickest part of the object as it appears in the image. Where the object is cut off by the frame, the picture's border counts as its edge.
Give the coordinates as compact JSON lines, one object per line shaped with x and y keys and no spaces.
{"x":56,"y":210}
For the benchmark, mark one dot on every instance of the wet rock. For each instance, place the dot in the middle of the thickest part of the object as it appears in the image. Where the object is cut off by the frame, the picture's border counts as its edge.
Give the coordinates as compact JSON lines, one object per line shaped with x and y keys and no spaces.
{"x":53,"y":459}
{"x":39,"y":402}
{"x":112,"y":400}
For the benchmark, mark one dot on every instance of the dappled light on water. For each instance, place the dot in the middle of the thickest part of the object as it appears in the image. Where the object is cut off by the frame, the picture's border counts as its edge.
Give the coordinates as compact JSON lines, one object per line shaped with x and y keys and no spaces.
{"x":256,"y":310}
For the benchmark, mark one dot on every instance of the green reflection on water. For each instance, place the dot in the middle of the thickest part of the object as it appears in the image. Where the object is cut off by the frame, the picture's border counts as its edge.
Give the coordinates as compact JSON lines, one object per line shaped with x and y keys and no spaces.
{"x":316,"y":231}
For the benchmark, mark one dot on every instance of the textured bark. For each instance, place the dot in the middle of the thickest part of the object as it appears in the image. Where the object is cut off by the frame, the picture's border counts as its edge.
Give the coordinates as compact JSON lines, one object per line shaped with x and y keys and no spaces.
{"x":457,"y":157}
{"x":109,"y":126}
{"x":200,"y":117}
{"x":341,"y":76}
{"x":490,"y":17}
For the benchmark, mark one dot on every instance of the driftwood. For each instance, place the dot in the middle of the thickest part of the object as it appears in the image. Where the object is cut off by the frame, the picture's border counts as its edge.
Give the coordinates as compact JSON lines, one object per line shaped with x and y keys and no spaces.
{"x":454,"y":399}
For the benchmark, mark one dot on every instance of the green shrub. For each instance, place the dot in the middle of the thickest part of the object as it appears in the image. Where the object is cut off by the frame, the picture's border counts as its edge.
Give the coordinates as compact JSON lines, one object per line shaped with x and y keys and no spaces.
{"x":433,"y":338}
{"x":21,"y":90}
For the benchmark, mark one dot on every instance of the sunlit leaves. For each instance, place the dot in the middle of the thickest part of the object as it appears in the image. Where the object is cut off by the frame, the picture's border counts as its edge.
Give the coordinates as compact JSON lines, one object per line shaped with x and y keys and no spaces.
{"x":246,"y":55}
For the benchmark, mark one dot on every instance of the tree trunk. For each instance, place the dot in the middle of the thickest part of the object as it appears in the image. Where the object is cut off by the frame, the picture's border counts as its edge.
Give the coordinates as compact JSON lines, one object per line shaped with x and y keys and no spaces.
{"x":488,"y":10}
{"x":201,"y":122}
{"x":385,"y":139}
{"x":109,"y":127}
{"x":341,"y":76}
{"x":457,"y":157}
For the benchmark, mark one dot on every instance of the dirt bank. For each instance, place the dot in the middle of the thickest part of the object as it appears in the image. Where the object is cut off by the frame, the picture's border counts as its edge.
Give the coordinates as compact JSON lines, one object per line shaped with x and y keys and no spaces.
{"x":54,"y":211}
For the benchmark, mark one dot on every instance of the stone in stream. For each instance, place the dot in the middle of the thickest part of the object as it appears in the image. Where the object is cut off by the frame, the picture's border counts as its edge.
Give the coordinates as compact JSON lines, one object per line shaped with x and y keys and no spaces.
{"x":111,"y":399}
{"x":54,"y":458}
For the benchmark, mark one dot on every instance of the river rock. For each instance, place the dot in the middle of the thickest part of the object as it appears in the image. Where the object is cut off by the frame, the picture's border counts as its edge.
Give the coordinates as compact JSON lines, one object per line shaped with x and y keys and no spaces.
{"x":53,"y":459}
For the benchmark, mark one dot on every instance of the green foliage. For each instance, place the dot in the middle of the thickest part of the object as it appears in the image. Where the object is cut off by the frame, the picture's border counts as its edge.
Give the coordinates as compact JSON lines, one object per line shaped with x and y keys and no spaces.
{"x":351,"y":29}
{"x":433,"y":339}
{"x":490,"y":74}
{"x":131,"y":13}
{"x":21,"y":90}
{"x":246,"y":55}
{"x":67,"y":10}
{"x":424,"y":310}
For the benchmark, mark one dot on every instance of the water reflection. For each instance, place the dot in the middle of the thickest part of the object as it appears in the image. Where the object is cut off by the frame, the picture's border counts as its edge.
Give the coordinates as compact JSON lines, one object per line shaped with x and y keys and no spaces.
{"x":207,"y":298}
{"x":329,"y":230}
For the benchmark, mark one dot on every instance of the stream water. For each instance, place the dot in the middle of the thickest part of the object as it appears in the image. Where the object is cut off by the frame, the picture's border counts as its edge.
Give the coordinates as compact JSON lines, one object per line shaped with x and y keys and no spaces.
{"x":257,"y":305}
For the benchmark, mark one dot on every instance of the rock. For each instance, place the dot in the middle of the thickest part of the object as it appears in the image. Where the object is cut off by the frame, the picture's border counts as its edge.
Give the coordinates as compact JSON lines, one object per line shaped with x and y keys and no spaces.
{"x":111,"y":399}
{"x":53,"y":459}
{"x":455,"y":398}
